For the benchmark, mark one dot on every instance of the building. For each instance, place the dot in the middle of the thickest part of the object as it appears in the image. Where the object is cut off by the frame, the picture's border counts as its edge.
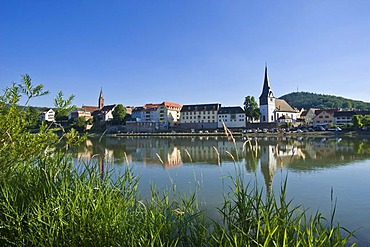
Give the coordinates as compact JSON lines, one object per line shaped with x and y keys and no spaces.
{"x":154,"y":117}
{"x":275,"y":110}
{"x":105,"y":114}
{"x":150,"y":113}
{"x":48,"y":116}
{"x":199,"y":117}
{"x":324,"y":117}
{"x":307,"y":116}
{"x":233,"y":117}
{"x":345,"y":117}
{"x":169,"y":113}
{"x":85,"y":112}
{"x":138,"y":114}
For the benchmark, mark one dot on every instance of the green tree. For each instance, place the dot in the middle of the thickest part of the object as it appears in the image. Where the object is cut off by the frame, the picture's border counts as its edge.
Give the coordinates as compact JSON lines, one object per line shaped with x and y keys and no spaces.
{"x":63,"y":106}
{"x":357,"y":121}
{"x":366,"y":120}
{"x":251,"y":109}
{"x":79,"y":124}
{"x":19,"y":146}
{"x":119,"y":114}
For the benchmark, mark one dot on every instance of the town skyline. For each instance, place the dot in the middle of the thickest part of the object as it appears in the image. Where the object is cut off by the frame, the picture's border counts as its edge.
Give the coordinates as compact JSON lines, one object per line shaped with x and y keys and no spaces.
{"x":187,"y":53}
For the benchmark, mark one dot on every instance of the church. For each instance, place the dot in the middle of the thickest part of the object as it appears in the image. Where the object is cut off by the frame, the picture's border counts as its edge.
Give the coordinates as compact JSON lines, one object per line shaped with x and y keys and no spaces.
{"x":275,"y":110}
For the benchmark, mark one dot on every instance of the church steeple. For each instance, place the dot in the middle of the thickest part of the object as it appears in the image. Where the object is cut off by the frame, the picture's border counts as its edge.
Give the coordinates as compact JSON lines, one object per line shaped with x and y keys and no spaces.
{"x":101,"y":99}
{"x":266,"y":91}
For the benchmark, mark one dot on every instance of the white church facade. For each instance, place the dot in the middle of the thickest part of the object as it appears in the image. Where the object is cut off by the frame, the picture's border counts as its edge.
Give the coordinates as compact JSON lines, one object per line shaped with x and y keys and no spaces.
{"x":272,"y":109}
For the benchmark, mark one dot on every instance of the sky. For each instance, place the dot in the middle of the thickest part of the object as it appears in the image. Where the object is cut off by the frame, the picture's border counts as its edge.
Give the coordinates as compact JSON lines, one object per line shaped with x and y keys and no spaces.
{"x":186,"y":52}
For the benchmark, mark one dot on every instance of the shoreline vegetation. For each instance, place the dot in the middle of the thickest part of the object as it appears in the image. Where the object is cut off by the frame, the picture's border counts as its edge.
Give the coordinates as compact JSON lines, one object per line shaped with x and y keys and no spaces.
{"x":46,"y":201}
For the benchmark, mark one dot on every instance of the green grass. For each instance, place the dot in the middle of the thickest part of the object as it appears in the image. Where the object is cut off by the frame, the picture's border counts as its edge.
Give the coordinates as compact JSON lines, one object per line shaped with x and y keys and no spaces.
{"x":51,"y":204}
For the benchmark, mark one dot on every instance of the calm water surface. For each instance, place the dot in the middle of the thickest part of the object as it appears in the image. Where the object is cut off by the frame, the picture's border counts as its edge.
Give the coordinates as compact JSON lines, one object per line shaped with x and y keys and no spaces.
{"x":314,"y":167}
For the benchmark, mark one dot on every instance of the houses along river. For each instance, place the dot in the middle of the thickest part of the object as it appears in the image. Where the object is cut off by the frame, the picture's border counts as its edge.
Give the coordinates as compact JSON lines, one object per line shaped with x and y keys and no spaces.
{"x":314,"y":166}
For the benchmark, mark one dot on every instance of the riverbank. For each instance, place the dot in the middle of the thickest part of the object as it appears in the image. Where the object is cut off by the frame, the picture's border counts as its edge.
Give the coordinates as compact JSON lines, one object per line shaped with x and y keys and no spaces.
{"x":360,"y":133}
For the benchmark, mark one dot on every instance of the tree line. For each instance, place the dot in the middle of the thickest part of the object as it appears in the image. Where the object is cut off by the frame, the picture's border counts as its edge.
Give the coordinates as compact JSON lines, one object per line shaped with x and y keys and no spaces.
{"x":312,"y":100}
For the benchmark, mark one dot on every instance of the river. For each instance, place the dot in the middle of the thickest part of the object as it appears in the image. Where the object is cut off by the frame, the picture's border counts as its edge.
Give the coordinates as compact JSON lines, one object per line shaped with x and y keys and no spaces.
{"x":314,"y":168}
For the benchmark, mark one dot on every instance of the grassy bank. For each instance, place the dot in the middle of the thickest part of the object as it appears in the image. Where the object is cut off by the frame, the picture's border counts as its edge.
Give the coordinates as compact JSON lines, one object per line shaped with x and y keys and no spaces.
{"x":51,"y":204}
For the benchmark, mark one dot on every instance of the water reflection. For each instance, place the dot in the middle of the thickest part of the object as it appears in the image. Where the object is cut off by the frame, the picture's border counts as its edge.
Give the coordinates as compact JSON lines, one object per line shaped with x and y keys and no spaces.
{"x":270,"y":154}
{"x":315,"y":165}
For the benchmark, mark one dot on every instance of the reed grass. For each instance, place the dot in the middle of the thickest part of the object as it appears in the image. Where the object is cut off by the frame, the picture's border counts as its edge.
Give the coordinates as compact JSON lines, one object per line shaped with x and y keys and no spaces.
{"x":53,"y":205}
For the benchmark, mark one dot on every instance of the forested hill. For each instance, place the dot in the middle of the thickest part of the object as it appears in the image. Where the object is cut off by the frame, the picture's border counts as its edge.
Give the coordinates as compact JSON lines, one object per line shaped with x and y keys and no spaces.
{"x":313,"y":100}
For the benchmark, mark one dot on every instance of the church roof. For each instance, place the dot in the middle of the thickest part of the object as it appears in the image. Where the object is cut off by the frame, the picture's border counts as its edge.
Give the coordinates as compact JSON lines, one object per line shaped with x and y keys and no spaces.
{"x":108,"y":108}
{"x":283,"y":106}
{"x":266,"y":90}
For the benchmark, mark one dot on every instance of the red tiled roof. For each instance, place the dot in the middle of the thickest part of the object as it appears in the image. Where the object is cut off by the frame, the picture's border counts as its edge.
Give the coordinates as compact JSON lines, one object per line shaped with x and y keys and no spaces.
{"x":171,"y":105}
{"x":150,"y":105}
{"x":89,"y":108}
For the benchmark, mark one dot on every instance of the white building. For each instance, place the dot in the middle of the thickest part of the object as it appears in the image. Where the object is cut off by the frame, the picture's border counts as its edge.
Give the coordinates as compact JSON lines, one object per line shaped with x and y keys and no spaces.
{"x":48,"y":116}
{"x":169,"y":113}
{"x":233,"y":117}
{"x":203,"y":116}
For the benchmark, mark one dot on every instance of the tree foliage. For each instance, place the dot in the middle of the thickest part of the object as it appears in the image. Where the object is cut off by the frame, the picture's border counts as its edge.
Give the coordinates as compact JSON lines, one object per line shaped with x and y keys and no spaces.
{"x":63,"y":106}
{"x":119,"y":114}
{"x":360,"y":121}
{"x":251,"y":109}
{"x":311,"y":100}
{"x":79,"y":124}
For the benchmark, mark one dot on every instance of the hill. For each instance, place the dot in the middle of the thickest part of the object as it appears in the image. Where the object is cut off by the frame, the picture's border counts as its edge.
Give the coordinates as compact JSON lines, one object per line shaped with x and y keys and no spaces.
{"x":312,"y":100}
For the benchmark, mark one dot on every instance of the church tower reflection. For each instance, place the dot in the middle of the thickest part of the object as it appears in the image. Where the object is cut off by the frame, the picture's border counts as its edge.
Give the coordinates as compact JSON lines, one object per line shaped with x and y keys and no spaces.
{"x":274,"y":157}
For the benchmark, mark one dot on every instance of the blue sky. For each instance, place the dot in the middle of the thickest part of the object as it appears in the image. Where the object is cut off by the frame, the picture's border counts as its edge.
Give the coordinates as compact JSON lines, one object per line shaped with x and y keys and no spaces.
{"x":185,"y":51}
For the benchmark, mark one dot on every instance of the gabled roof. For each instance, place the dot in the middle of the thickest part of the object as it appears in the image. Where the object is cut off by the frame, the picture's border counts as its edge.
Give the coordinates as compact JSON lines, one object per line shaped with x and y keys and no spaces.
{"x":46,"y":111}
{"x":304,"y":113}
{"x":170,"y":105}
{"x":230,"y":110}
{"x":329,"y":111}
{"x":283,"y":106}
{"x":107,"y":108}
{"x":201,"y":107}
{"x":138,"y":108}
{"x":89,"y":108}
{"x":151,"y":106}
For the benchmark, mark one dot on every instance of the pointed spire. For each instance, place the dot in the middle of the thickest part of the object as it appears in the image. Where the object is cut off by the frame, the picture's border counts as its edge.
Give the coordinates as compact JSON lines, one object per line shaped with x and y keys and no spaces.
{"x":266,"y":90}
{"x":266,"y":82}
{"x":101,"y":99}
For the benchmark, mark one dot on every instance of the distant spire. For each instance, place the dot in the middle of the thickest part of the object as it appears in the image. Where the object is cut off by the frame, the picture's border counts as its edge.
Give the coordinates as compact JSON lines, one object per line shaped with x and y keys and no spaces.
{"x":101,"y":99}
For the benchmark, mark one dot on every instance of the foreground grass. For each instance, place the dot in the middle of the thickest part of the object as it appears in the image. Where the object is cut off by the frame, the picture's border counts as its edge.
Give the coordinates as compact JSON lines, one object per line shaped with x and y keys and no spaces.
{"x":50,"y":204}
